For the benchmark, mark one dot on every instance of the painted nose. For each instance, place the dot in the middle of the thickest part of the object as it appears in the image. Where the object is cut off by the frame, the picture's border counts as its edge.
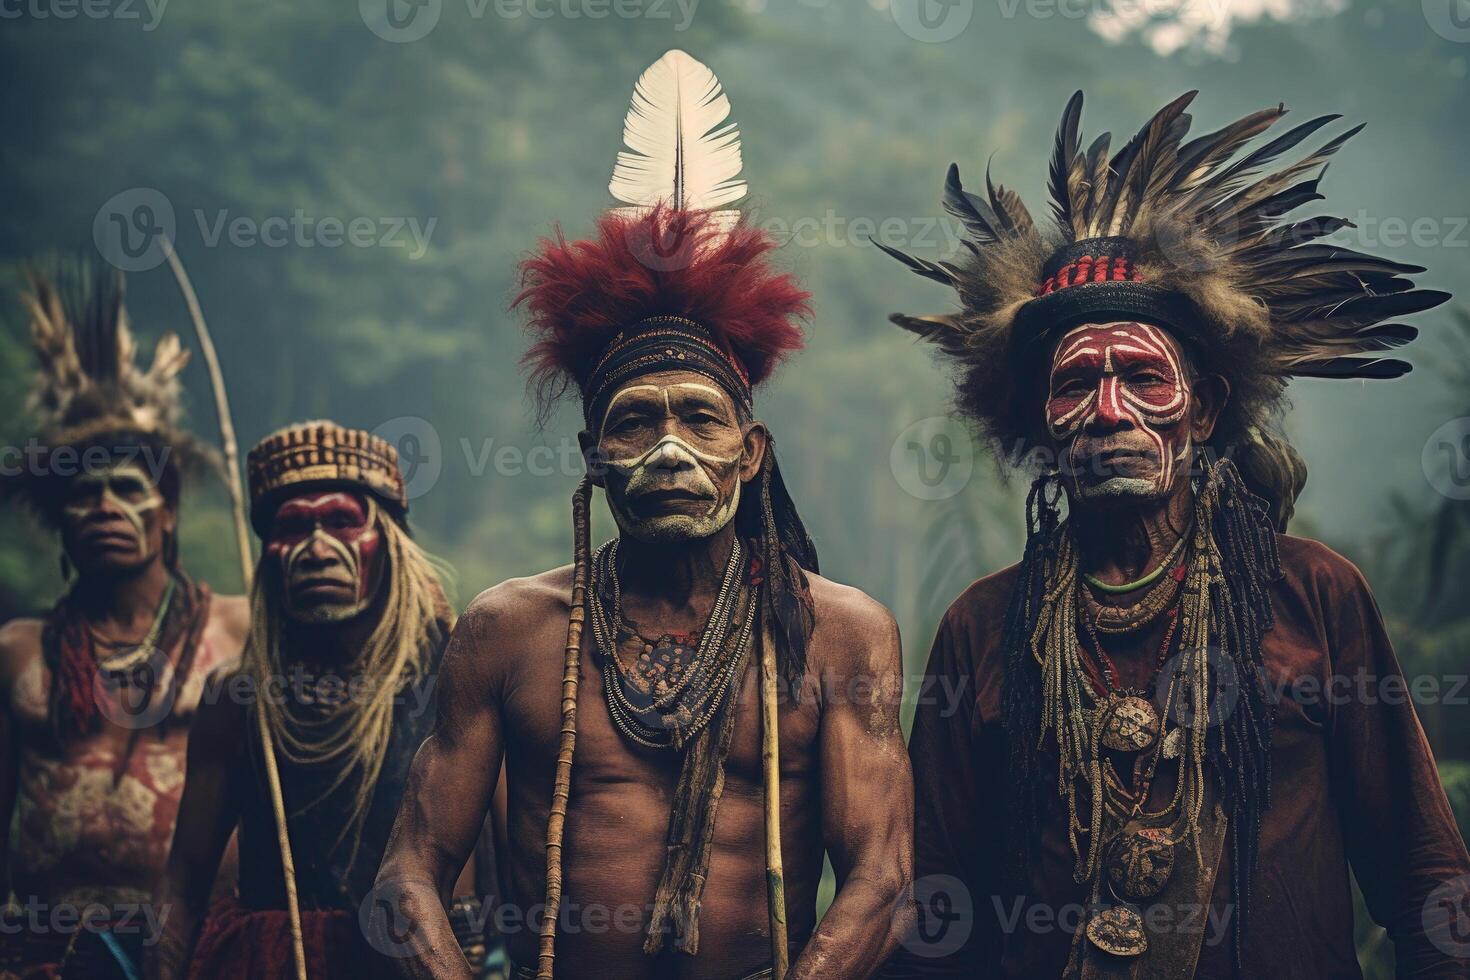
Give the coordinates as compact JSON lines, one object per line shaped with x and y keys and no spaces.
{"x":1109,"y":414}
{"x":319,"y":553}
{"x":666,"y":457}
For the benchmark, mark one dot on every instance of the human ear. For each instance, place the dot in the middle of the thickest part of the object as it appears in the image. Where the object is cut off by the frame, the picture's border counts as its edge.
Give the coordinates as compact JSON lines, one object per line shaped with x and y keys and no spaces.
{"x":1210,"y":394}
{"x":592,"y":457}
{"x":753,"y":453}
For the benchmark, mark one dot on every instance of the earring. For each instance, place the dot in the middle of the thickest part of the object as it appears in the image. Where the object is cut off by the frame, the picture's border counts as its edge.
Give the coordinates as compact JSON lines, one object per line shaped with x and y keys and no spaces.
{"x":65,"y":568}
{"x":170,"y":549}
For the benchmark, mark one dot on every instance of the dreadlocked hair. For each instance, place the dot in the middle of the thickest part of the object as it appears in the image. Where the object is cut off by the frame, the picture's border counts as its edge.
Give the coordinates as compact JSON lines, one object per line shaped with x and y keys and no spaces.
{"x":352,"y":735}
{"x":1021,"y":692}
{"x":787,"y":553}
{"x":1225,"y":614}
{"x":1238,"y":745}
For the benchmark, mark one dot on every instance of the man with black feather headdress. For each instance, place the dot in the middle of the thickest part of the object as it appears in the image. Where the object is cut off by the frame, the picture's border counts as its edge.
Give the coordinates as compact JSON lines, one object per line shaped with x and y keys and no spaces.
{"x":97,"y":695}
{"x":1173,"y":743}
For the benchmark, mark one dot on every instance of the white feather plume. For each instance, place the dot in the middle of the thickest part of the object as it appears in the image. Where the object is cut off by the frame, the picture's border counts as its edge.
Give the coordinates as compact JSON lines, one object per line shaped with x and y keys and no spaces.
{"x":681,"y":151}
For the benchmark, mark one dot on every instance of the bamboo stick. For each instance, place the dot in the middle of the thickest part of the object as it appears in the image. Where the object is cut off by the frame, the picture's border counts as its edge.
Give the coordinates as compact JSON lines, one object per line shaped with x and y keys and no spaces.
{"x":228,"y":444}
{"x":283,"y":838}
{"x":771,"y":769}
{"x":230,"y":448}
{"x":561,"y":791}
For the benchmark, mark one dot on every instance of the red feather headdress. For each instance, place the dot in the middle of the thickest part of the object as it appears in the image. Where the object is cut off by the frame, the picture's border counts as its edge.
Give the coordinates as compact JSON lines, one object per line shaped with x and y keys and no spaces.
{"x":677,"y":264}
{"x":583,"y":296}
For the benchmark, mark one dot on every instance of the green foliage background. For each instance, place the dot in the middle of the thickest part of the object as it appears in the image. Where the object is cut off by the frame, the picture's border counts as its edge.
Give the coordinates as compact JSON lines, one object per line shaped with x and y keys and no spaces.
{"x":498,"y":127}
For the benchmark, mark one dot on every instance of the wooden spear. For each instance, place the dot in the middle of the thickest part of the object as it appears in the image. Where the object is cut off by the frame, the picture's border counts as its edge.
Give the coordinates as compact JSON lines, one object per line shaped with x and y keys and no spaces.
{"x":230,"y":448}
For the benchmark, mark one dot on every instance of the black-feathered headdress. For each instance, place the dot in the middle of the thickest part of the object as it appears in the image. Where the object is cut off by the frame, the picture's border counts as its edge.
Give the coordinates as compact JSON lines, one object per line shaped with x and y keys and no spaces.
{"x":1189,"y":234}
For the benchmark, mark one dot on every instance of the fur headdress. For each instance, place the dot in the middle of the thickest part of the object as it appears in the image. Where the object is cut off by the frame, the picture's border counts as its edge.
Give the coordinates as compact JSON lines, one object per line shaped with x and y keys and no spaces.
{"x":588,"y":298}
{"x":89,"y":389}
{"x":1190,"y":235}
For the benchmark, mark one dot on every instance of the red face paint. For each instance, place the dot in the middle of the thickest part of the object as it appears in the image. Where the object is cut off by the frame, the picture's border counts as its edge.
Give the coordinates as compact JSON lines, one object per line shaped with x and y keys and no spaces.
{"x":328,"y":549}
{"x":1118,"y":409}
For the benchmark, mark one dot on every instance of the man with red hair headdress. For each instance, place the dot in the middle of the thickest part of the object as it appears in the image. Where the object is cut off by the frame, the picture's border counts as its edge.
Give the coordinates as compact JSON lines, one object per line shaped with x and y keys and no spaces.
{"x":653,"y":859}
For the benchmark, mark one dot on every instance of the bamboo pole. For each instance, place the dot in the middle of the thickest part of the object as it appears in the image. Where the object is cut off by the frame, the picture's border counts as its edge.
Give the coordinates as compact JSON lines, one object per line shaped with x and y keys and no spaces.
{"x":230,"y":448}
{"x":571,"y":674}
{"x":283,"y":838}
{"x":228,"y":444}
{"x":771,"y":769}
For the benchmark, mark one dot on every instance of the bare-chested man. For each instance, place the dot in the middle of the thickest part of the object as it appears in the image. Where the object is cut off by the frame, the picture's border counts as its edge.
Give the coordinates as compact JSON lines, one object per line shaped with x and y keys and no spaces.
{"x":663,"y":864}
{"x":96,"y":697}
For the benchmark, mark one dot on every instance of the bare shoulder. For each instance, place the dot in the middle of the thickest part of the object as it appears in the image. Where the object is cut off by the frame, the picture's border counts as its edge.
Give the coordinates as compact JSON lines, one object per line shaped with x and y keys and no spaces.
{"x":518,"y":603}
{"x":848,"y":610}
{"x":853,"y":631}
{"x":222,"y":715}
{"x":494,"y":628}
{"x":231,"y":614}
{"x":20,"y":646}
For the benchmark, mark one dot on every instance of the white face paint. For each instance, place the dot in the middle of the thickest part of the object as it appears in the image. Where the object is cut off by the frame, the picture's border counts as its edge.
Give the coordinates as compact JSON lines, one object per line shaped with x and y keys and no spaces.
{"x":673,"y":453}
{"x":124,"y":489}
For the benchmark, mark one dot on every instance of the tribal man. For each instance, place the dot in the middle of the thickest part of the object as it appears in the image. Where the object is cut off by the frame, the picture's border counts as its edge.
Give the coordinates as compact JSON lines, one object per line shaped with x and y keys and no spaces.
{"x":653,"y":844}
{"x":348,"y":621}
{"x":96,"y":697}
{"x":1170,"y":746}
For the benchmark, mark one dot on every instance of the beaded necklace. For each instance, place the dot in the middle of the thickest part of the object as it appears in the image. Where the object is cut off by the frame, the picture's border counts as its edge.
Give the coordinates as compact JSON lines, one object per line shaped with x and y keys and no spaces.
{"x":670,"y":713}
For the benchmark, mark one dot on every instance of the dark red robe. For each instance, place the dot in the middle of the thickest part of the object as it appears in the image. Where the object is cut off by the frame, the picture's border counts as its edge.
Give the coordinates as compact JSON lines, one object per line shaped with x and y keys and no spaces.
{"x":1353,"y":786}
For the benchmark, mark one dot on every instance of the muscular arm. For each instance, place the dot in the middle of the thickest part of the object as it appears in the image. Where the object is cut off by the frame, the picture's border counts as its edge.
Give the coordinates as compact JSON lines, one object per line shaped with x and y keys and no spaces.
{"x":867,"y":795}
{"x":208,"y":813}
{"x":448,"y":793}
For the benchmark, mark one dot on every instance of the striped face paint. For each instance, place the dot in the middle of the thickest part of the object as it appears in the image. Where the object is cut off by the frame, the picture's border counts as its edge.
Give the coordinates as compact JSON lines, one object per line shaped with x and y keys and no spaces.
{"x":328,"y":548}
{"x":110,"y":509}
{"x":673,"y":445}
{"x":1118,"y":407}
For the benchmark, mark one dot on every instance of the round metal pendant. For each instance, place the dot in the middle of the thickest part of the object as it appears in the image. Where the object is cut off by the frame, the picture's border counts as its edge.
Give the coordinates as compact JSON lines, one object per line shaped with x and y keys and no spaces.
{"x":1130,"y":723}
{"x":1139,"y":862}
{"x":1119,"y":931}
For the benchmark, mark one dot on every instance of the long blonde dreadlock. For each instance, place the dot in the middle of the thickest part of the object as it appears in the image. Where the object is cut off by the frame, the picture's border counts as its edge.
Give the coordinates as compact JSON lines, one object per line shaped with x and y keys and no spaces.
{"x":351,"y":736}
